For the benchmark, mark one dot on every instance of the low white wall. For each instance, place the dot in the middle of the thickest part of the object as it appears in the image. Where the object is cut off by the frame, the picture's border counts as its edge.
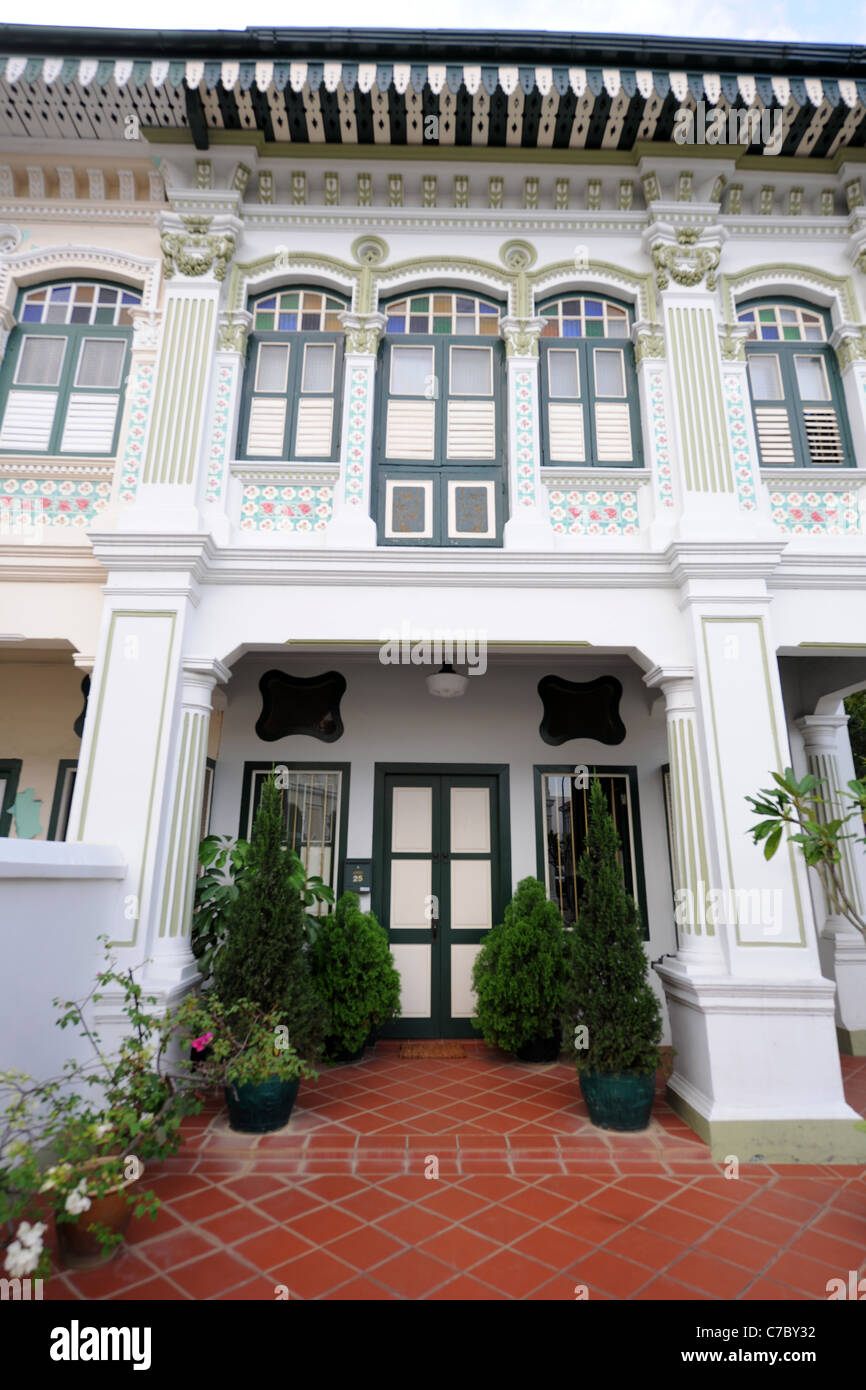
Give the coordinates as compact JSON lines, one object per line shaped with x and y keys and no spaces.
{"x":56,"y":899}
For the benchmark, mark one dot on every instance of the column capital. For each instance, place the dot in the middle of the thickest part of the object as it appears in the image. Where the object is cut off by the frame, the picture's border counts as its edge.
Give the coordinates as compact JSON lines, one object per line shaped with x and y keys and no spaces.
{"x":648,"y":339}
{"x":204,"y":672}
{"x":820,"y":730}
{"x":363,"y":332}
{"x":521,"y":335}
{"x":234,"y":326}
{"x":145,"y":329}
{"x":677,"y":684}
{"x":732,"y":341}
{"x":849,"y":342}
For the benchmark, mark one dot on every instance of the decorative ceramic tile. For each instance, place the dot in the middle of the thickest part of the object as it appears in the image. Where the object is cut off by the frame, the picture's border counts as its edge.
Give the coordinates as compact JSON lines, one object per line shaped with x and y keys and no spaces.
{"x":745,"y":463}
{"x":525,"y":386}
{"x":359,"y":424}
{"x":660,"y":441}
{"x":833,"y":513}
{"x":219,"y":437}
{"x":407,"y":509}
{"x":294,"y":508}
{"x":141,"y":398}
{"x":590,"y":513}
{"x":26,"y":502}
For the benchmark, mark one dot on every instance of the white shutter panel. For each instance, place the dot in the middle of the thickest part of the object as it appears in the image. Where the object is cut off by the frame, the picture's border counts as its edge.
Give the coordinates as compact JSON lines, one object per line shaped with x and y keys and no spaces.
{"x":823,"y":437}
{"x":774,"y":436}
{"x":89,"y":425}
{"x":612,"y":433}
{"x":566,"y":433}
{"x":267,"y":427}
{"x":313,"y":433}
{"x":28,"y":419}
{"x":471,"y":430}
{"x":411,"y":430}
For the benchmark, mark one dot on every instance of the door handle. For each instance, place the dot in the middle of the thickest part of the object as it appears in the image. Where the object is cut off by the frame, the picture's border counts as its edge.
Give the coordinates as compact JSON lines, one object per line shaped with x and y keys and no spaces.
{"x":434,"y":926}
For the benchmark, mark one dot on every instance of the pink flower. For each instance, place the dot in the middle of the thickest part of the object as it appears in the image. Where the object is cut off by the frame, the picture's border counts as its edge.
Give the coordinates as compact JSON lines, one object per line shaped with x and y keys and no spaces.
{"x":267,"y":506}
{"x":199,"y":1044}
{"x":816,"y":516}
{"x":305,"y":507}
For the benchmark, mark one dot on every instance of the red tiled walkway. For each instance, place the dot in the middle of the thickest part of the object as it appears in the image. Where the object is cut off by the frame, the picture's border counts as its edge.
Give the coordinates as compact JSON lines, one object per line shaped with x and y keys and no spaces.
{"x":529,"y":1202}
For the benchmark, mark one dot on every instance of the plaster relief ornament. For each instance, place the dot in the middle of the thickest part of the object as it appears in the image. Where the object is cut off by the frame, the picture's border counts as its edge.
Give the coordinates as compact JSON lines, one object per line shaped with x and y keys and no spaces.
{"x":196,"y":250}
{"x":684,"y":262}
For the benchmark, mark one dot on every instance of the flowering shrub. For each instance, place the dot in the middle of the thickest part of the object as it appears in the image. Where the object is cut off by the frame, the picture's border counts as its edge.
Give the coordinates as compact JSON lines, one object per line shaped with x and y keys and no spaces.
{"x":70,"y":1140}
{"x":245,"y":1043}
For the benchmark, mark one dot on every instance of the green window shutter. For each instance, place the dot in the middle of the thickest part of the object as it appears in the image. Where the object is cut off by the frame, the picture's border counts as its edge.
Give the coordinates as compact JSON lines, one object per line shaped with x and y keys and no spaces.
{"x":590,"y":403}
{"x":291,"y":400}
{"x":441,"y":400}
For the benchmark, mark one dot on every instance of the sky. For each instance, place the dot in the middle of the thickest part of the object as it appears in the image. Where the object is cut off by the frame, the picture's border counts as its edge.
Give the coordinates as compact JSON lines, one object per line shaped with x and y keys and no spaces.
{"x":834,"y":21}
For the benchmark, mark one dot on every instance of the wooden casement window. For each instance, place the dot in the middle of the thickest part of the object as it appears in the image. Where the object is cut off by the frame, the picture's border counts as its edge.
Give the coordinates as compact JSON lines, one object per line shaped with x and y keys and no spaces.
{"x":294,"y":375}
{"x":797,"y":404}
{"x":440,"y":435}
{"x":315,"y":805}
{"x":62,"y":381}
{"x":588,"y":384}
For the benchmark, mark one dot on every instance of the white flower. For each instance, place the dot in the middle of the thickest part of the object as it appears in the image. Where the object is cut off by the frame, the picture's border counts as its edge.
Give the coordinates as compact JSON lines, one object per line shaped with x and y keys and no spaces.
{"x":31,"y":1236}
{"x":78,"y":1200}
{"x":21,"y":1259}
{"x":101,"y":1130}
{"x":146,"y":1117}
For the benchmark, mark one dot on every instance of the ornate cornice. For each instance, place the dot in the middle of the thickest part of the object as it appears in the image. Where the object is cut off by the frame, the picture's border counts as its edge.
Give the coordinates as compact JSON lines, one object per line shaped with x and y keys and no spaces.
{"x":28,"y":267}
{"x":648,"y":339}
{"x":521,"y":336}
{"x":234,"y":325}
{"x":849,"y":341}
{"x":732,"y":341}
{"x":779,"y":277}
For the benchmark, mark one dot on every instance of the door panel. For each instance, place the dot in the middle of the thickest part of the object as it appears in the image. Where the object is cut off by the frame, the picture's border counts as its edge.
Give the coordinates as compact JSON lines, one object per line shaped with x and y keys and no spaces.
{"x":441,"y":891}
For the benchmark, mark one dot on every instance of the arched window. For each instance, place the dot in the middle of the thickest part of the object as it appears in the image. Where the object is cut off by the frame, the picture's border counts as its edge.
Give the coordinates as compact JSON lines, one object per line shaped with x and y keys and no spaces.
{"x":294,"y":374}
{"x":799,"y":414}
{"x":61,"y":386}
{"x":440,"y":436}
{"x":588,"y":383}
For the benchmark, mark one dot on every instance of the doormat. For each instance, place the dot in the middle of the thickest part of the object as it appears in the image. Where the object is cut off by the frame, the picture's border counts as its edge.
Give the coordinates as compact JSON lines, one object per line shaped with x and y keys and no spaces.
{"x":438,"y":1049}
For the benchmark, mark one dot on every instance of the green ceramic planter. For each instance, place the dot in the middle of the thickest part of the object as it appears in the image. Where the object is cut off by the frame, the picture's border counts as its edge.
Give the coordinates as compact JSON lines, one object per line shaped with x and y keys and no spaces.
{"x":258,"y":1109}
{"x":618,"y":1100}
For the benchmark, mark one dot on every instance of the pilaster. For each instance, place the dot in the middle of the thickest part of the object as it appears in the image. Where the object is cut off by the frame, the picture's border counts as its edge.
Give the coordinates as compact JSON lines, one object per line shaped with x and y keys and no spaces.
{"x":352,"y":527}
{"x":528,"y":524}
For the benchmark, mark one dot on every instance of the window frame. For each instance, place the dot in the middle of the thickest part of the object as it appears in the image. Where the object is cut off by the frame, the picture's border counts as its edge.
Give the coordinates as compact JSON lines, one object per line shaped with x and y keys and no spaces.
{"x":441,"y":344}
{"x":629,"y":772}
{"x":589,"y":397}
{"x":65,"y":767}
{"x":10,"y":770}
{"x":791,"y":401}
{"x":70,"y":333}
{"x":249,"y":800}
{"x":297,"y":341}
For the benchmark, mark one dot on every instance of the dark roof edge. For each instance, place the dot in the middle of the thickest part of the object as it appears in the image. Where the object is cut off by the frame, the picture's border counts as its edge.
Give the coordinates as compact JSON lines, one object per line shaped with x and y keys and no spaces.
{"x":440,"y":45}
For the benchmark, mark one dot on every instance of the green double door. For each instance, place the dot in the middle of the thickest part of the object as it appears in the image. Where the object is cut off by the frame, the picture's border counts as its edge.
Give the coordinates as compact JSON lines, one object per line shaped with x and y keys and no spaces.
{"x":441,"y":869}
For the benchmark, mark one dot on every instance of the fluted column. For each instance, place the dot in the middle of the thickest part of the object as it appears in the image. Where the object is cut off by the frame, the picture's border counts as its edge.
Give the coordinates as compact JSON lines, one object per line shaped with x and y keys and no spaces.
{"x":352,"y":527}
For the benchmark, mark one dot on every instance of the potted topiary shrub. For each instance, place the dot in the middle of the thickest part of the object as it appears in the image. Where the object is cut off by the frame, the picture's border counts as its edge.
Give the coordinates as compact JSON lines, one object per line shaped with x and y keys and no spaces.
{"x":248,"y":1052}
{"x":518,"y":977}
{"x":609,"y":1000}
{"x":265,"y":959}
{"x":356,"y":978}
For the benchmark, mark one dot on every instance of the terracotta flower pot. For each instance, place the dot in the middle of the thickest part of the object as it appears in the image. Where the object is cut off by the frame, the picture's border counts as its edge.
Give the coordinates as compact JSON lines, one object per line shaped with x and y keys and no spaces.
{"x":80,"y":1247}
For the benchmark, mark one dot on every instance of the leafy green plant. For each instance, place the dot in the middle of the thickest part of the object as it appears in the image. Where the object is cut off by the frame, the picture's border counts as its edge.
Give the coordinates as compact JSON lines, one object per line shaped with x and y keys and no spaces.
{"x":265,"y":957}
{"x":518,"y":974}
{"x":225,"y":862}
{"x":355,"y":974}
{"x":238,"y":1044}
{"x":608,"y":990}
{"x":70,"y":1140}
{"x":814,"y":825}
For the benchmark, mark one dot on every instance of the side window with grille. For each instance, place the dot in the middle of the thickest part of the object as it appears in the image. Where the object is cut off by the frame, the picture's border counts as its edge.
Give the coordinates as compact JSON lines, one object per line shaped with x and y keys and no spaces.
{"x":794,"y":383}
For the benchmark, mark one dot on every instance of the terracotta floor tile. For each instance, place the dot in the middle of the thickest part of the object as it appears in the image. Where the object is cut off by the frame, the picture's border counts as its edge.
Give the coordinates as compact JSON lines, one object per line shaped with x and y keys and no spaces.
{"x":275,"y":1246}
{"x":605,"y":1272}
{"x":413,"y":1224}
{"x":807,"y":1275}
{"x":211,"y":1276}
{"x":500,"y":1224}
{"x":767,"y":1290}
{"x":124,"y":1270}
{"x":739,"y":1249}
{"x":820,"y":1245}
{"x":365,"y":1248}
{"x":617,"y":1202}
{"x":261,"y":1289}
{"x":459,"y":1247}
{"x":324,"y":1224}
{"x":494,"y":1188}
{"x":513,"y":1274}
{"x":370,"y":1203}
{"x":452,"y":1202}
{"x":239,"y":1223}
{"x":712,"y":1276}
{"x":200,"y":1205}
{"x":142,"y":1228}
{"x":553,"y":1247}
{"x":151,"y":1291}
{"x":676,"y":1225}
{"x":777,"y":1203}
{"x":412,"y":1274}
{"x":538,"y":1204}
{"x":592,"y":1226}
{"x":248,"y":1189}
{"x":645,"y":1247}
{"x":313,"y":1275}
{"x":754,"y":1221}
{"x":174,"y":1250}
{"x":667,"y":1290}
{"x":839,"y":1223}
{"x":465,"y":1289}
{"x":362,"y":1291}
{"x":289,"y":1203}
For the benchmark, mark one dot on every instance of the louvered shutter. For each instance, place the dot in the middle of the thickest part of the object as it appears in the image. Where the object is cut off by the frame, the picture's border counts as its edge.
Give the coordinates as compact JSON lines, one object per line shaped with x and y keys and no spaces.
{"x":823,"y":437}
{"x":315,"y":427}
{"x":471,"y":432}
{"x":89,"y":424}
{"x":28,"y":420}
{"x":566,"y":433}
{"x":410,"y":431}
{"x":267,"y":426}
{"x":612,"y":432}
{"x":774,"y":436}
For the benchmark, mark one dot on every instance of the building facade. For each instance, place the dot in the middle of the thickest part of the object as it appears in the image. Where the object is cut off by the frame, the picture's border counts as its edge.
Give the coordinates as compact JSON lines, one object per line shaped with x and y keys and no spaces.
{"x":331,"y":360}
